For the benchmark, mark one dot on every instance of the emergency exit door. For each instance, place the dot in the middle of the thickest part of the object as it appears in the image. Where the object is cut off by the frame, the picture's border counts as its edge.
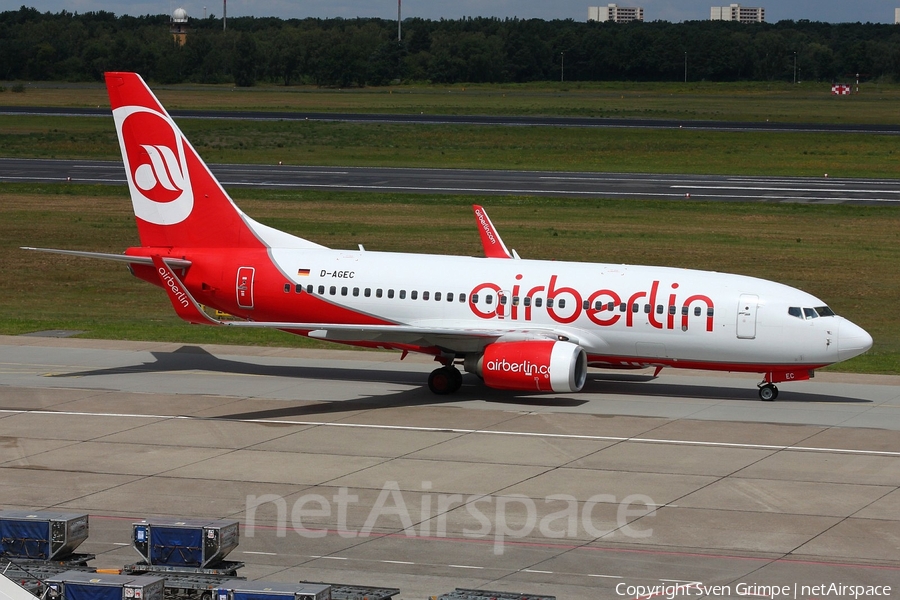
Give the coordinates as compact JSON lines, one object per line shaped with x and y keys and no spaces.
{"x":244,"y":286}
{"x":746,"y":316}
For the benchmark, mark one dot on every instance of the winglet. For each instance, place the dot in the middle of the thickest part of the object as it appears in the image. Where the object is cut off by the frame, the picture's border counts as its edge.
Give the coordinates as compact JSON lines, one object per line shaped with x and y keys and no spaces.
{"x":490,"y":239}
{"x":182,"y":301}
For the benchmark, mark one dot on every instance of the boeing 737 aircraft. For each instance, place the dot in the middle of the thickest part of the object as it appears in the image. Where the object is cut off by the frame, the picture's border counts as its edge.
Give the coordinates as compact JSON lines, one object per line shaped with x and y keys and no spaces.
{"x":524,"y":325}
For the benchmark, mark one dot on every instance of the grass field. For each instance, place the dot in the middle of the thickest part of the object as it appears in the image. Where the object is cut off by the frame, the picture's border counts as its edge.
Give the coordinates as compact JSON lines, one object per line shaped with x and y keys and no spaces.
{"x":845,"y":255}
{"x":527,"y":148}
{"x":743,"y":101}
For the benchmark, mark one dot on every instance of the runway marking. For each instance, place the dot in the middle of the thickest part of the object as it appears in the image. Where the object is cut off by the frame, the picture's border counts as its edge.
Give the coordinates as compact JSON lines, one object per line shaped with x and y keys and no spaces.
{"x":397,"y":562}
{"x":465,"y":567}
{"x":605,"y":576}
{"x":567,"y":436}
{"x":781,"y":189}
{"x":536,"y":571}
{"x":260,"y":553}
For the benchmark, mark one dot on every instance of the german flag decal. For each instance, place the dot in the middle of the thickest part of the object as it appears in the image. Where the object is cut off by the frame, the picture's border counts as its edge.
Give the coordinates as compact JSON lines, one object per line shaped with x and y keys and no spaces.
{"x":303,"y":272}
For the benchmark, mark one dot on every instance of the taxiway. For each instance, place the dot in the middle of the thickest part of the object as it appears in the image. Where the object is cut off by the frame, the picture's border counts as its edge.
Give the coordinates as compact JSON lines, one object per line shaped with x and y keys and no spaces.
{"x":725,"y":188}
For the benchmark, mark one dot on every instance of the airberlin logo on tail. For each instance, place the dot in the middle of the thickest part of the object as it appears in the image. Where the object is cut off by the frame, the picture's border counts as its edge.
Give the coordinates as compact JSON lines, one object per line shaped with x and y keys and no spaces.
{"x":154,"y":153}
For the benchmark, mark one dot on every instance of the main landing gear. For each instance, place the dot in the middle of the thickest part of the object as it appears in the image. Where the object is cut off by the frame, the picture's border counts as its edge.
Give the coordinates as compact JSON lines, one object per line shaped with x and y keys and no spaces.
{"x":768,"y":392}
{"x":445,"y":380}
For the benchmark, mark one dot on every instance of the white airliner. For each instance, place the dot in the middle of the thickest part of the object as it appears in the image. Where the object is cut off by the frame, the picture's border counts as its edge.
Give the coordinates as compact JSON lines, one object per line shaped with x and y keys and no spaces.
{"x":518,"y":324}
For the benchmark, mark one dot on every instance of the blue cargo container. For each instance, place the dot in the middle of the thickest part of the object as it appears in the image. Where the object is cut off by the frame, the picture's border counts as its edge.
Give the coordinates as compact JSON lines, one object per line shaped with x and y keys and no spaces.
{"x":185,"y":543}
{"x":267,"y":590}
{"x":41,"y":535}
{"x":78,"y":585}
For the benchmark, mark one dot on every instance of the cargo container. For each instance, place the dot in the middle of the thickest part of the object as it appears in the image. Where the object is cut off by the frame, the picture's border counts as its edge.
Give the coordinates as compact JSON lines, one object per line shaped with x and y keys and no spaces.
{"x":78,"y":585}
{"x":41,"y":535}
{"x":265,"y":590}
{"x":185,"y":543}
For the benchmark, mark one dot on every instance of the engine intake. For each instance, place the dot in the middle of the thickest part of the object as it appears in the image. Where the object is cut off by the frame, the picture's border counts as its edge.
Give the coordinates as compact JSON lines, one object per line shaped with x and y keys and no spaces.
{"x":534,"y":365}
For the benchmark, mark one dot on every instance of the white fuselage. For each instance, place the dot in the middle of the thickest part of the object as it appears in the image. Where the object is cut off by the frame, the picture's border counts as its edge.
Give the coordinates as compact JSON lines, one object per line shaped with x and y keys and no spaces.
{"x":647,"y":315}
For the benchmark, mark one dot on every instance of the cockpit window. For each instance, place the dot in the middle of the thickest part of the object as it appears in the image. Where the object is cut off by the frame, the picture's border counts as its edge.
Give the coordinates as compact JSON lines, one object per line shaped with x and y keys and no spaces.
{"x":795,"y":311}
{"x":824,"y":311}
{"x":810,"y":313}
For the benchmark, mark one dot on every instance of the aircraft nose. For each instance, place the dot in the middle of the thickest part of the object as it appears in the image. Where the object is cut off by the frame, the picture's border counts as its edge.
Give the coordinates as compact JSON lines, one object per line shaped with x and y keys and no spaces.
{"x":853,"y":340}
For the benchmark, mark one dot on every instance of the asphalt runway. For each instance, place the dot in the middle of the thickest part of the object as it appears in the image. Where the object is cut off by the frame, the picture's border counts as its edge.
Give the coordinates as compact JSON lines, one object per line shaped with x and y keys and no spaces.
{"x":485,"y":120}
{"x":821,"y":190}
{"x":343,"y":467}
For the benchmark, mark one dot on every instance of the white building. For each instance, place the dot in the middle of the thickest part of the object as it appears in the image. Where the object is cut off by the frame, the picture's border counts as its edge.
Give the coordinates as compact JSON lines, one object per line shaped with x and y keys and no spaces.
{"x":615,"y":13}
{"x":736,"y":12}
{"x":896,"y":16}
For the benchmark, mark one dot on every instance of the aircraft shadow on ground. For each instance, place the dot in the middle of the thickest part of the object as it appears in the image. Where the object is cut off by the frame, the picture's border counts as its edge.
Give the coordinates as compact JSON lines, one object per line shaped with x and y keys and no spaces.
{"x":194,"y":358}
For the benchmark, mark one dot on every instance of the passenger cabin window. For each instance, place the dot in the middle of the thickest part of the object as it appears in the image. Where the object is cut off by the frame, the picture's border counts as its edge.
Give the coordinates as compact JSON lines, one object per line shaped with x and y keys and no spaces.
{"x":403,"y":294}
{"x":489,"y":299}
{"x":287,"y":288}
{"x":390,"y":293}
{"x":561,"y":303}
{"x":437,"y":296}
{"x":321,"y":290}
{"x":449,"y":296}
{"x":424,"y":296}
{"x":378,"y":293}
{"x":474,"y":299}
{"x":309,"y":289}
{"x":462,"y":297}
{"x":414,"y":295}
{"x":526,"y":300}
{"x":659,"y":309}
{"x":343,"y":291}
{"x":332,"y":290}
{"x":298,"y":288}
{"x":368,"y":292}
{"x":549,"y":302}
{"x":697,"y":311}
{"x":538,"y":302}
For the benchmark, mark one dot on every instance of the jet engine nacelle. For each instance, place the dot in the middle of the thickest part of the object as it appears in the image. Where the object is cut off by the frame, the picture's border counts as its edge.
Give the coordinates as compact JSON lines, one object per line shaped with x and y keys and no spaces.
{"x":534,"y":365}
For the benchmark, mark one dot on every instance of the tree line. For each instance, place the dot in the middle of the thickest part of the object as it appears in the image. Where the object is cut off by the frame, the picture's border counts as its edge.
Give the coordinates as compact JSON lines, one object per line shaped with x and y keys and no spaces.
{"x":365,"y":52}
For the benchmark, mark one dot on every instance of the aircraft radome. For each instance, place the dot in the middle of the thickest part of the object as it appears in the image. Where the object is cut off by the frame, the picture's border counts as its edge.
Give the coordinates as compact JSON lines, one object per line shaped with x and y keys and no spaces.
{"x":519,"y":324}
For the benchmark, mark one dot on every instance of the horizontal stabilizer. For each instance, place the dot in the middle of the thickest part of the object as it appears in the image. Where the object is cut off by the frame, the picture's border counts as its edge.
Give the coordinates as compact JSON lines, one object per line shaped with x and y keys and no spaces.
{"x":175,"y":263}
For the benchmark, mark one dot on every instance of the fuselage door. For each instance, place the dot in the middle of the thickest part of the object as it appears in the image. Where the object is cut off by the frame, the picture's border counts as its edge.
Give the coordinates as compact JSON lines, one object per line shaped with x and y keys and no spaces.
{"x":746,"y":316}
{"x":244,"y":286}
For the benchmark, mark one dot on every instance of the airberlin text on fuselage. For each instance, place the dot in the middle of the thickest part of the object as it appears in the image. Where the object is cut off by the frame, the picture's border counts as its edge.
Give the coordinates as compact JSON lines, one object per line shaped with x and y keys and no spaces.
{"x":520,"y":305}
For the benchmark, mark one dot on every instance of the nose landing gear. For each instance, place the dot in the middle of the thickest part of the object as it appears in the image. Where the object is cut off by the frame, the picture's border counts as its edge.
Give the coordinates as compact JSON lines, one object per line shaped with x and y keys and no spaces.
{"x":768,"y":392}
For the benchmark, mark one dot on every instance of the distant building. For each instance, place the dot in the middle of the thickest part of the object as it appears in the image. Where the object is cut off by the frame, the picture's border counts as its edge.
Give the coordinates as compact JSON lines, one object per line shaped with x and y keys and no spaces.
{"x":615,"y":13}
{"x":896,"y":16}
{"x":178,"y":26}
{"x":736,"y":12}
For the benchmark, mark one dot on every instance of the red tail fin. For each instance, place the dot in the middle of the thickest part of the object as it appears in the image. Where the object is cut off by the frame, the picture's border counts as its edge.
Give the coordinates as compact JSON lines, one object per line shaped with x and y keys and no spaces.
{"x":177,"y":201}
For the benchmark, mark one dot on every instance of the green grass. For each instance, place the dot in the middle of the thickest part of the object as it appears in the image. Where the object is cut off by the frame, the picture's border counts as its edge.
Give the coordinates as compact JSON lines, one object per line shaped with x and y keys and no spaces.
{"x":742,"y":101}
{"x":846,"y":255}
{"x":526,"y":148}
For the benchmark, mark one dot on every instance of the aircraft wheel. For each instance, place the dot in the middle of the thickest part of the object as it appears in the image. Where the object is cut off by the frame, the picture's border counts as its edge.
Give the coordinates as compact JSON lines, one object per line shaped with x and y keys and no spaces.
{"x":445,"y":380}
{"x":768,"y":392}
